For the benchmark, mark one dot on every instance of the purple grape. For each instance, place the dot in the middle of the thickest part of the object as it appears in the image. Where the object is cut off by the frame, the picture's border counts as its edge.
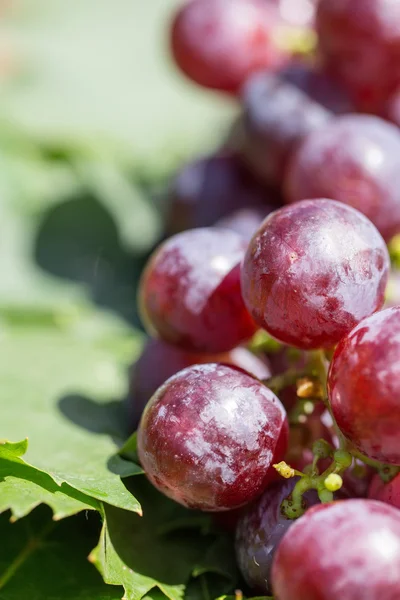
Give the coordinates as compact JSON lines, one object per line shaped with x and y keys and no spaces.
{"x":210,"y":189}
{"x":276,"y":117}
{"x":353,"y":159}
{"x":319,"y":85}
{"x":347,"y":550}
{"x":159,"y":361}
{"x":313,"y":271}
{"x":209,"y":437}
{"x":190,"y":291}
{"x":260,"y":531}
{"x":364,"y":386}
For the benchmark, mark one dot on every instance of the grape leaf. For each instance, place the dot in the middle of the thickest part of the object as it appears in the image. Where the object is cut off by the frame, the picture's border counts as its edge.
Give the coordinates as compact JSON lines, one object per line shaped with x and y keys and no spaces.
{"x":29,"y":487}
{"x":143,"y":553}
{"x":40,"y":560}
{"x":56,"y":388}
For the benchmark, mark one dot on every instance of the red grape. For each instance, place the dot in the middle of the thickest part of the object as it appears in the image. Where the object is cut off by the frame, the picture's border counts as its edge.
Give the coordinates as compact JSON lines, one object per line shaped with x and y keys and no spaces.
{"x":353,"y":159}
{"x":219,"y":43}
{"x":209,"y":436}
{"x":276,"y":117}
{"x":313,"y":271}
{"x":260,"y":531}
{"x":364,"y":386}
{"x":210,"y":189}
{"x":190,"y":291}
{"x":347,"y":550}
{"x":360,"y":41}
{"x":160,"y":360}
{"x":385,"y":492}
{"x":393,"y":108}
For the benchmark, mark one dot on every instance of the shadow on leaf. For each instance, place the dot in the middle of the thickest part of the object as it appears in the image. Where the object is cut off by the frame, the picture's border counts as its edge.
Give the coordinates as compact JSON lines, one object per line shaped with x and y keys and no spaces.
{"x":78,"y":240}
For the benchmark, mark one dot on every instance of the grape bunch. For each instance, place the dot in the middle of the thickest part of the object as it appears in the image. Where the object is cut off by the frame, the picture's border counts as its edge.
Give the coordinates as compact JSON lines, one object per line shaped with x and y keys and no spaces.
{"x":269,"y":392}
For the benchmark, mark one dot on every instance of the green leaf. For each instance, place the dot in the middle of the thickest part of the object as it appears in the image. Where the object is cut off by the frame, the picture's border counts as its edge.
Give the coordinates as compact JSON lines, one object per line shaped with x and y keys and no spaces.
{"x":29,"y":487}
{"x":60,"y":387}
{"x":142,"y":553}
{"x":43,"y":561}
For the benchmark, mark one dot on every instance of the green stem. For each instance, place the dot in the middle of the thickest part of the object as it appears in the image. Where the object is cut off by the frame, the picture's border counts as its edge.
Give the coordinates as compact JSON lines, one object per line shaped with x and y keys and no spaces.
{"x":386,"y":472}
{"x":204,"y":587}
{"x":280,"y":382}
{"x":30,"y":547}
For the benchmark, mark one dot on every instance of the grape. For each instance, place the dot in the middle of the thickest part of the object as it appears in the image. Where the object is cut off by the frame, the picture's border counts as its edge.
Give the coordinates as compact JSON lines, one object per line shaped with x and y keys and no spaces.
{"x":393,"y":108}
{"x":360,"y":41}
{"x":160,"y":360}
{"x":364,"y":386}
{"x":210,"y":189}
{"x":219,"y":43}
{"x":245,"y":221}
{"x":299,"y":13}
{"x":260,"y":531}
{"x":276,"y":117}
{"x":319,"y":85}
{"x":347,"y":550}
{"x":353,"y":159}
{"x":209,"y":436}
{"x":356,"y":481}
{"x":313,"y":271}
{"x":190,"y":291}
{"x":385,"y":492}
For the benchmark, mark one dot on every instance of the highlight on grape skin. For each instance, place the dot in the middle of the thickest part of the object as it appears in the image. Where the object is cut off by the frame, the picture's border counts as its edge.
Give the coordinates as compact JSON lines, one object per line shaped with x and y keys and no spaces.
{"x":364,"y":386}
{"x":160,"y":360}
{"x":190,"y":291}
{"x":313,"y":271}
{"x":209,"y":437}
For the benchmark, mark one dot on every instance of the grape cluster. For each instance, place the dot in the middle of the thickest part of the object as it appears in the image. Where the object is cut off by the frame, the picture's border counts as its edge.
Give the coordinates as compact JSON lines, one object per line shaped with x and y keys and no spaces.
{"x":270,"y":392}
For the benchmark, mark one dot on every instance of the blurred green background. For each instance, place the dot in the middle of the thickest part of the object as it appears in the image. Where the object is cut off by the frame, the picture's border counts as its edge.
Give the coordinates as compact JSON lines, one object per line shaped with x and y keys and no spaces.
{"x":93,"y":119}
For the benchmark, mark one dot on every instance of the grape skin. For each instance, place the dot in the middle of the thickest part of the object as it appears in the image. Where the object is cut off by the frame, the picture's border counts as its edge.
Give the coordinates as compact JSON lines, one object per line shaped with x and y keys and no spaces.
{"x":260,"y":531}
{"x":159,"y":361}
{"x":219,"y":43}
{"x":385,"y":492}
{"x":211,"y":188}
{"x":313,"y":271}
{"x":364,"y":386}
{"x":353,"y":159}
{"x":360,"y":41}
{"x":209,"y":436}
{"x":318,"y":85}
{"x":349,"y":550}
{"x":276,"y":117}
{"x":190,"y":291}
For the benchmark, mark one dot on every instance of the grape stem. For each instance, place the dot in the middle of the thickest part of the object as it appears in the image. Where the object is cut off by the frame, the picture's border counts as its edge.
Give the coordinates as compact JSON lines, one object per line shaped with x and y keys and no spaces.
{"x":294,"y":506}
{"x":386,"y":472}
